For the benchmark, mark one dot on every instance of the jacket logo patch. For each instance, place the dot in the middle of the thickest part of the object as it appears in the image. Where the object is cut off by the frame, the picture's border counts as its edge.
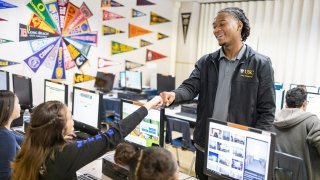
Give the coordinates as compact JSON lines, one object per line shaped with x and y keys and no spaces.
{"x":249,"y":73}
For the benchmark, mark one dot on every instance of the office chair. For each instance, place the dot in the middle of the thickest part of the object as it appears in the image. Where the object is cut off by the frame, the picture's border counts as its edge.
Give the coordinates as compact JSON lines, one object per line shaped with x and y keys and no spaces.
{"x":288,"y":167}
{"x":184,"y":142}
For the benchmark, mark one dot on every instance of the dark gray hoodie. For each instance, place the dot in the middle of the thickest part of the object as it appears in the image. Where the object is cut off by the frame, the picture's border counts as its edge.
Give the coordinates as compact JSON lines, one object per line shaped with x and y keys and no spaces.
{"x":298,"y":134}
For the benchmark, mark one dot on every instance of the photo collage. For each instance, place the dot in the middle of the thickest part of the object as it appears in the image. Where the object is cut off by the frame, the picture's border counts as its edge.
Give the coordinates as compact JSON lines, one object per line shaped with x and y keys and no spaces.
{"x":229,"y":149}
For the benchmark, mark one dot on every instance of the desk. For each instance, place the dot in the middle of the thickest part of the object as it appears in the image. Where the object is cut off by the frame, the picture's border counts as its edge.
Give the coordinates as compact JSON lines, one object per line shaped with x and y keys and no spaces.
{"x":172,"y":112}
{"x":95,"y":168}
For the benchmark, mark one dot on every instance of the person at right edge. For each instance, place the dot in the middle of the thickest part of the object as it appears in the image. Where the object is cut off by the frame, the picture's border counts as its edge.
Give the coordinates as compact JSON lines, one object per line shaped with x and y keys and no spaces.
{"x":234,"y":84}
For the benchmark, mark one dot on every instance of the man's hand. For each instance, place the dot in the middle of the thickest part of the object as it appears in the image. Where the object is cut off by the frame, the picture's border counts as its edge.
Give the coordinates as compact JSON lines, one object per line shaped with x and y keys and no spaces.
{"x":168,"y":97}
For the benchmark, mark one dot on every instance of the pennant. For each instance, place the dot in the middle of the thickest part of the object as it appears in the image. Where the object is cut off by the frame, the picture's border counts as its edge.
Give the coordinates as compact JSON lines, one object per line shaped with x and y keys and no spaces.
{"x":62,"y":9}
{"x":107,"y":30}
{"x":4,"y":63}
{"x":151,"y":55}
{"x":27,"y":33}
{"x":37,"y":22}
{"x":4,"y":41}
{"x":137,"y":31}
{"x":185,"y":24}
{"x":39,"y":8}
{"x":144,"y":43}
{"x":68,"y":61}
{"x":110,"y":3}
{"x":80,"y":78}
{"x":49,"y":62}
{"x":58,"y":71}
{"x":82,"y":47}
{"x":76,"y":55}
{"x":89,"y":38}
{"x":81,"y":28}
{"x":131,"y":65}
{"x":117,"y":48}
{"x":5,"y":5}
{"x":36,"y":60}
{"x":102,"y":62}
{"x":156,"y":19}
{"x":52,"y":8}
{"x":107,"y":15}
{"x":72,"y":11}
{"x":2,"y":19}
{"x":83,"y":14}
{"x":144,"y":2}
{"x":37,"y":45}
{"x":135,"y":13}
{"x":161,"y":36}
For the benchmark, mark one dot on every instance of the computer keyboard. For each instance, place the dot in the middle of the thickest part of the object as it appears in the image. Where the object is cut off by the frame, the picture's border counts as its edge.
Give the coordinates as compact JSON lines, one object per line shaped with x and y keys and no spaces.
{"x":86,"y":176}
{"x":18,"y":132}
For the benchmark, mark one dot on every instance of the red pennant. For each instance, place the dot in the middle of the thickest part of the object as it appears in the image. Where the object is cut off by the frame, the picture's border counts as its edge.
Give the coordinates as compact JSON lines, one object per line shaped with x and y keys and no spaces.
{"x":151,"y":55}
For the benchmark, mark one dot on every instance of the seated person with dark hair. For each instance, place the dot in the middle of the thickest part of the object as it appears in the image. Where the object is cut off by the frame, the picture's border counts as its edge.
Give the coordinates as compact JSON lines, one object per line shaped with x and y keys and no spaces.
{"x":298,"y":131}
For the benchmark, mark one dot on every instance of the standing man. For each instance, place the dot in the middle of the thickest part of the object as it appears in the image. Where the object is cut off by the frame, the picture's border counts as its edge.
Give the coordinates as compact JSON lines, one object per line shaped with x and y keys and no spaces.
{"x":234,"y":83}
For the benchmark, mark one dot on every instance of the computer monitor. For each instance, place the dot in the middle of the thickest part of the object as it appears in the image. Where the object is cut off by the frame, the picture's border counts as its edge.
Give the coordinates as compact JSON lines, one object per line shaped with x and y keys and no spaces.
{"x":54,"y":90}
{"x":278,"y":85}
{"x":238,"y":152}
{"x":133,"y":80}
{"x":313,"y":103}
{"x":86,"y":108}
{"x":165,"y":83}
{"x":22,"y":87}
{"x":150,"y":132}
{"x":4,"y":80}
{"x":122,"y":82}
{"x":279,"y":98}
{"x":104,"y":82}
{"x":310,"y":89}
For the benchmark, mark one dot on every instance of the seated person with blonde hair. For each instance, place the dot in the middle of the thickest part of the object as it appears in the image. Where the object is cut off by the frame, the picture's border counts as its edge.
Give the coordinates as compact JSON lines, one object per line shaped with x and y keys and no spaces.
{"x":46,"y":153}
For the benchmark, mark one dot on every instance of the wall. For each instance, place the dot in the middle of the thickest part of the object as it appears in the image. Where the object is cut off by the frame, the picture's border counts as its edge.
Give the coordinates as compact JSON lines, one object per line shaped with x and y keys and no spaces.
{"x":18,"y":51}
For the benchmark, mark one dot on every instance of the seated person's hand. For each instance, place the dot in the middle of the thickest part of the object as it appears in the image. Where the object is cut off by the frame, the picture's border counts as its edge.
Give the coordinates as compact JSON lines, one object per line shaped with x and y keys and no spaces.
{"x":69,"y":136}
{"x":155,"y":102}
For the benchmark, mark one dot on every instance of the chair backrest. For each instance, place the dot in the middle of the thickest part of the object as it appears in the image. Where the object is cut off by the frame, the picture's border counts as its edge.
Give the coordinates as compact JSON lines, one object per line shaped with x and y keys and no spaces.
{"x":174,"y":124}
{"x":288,"y":167}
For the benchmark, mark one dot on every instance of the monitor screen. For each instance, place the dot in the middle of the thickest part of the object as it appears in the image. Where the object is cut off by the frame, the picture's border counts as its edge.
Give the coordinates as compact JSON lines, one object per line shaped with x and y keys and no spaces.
{"x":310,"y":89}
{"x":165,"y":83}
{"x":86,"y":108}
{"x":22,"y":87}
{"x":278,"y":85}
{"x":133,"y":80}
{"x":150,"y":131}
{"x":313,"y":103}
{"x":122,"y":79}
{"x":279,"y":98}
{"x":238,"y":152}
{"x":104,"y":82}
{"x":55,"y":91}
{"x":4,"y":80}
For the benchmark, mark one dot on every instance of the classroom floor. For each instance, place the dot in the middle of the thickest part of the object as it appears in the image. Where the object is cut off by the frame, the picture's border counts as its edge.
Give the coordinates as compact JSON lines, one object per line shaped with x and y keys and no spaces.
{"x":185,"y":158}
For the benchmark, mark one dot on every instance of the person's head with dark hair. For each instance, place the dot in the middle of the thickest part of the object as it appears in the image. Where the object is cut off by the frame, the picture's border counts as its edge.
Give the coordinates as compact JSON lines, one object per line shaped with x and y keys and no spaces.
{"x":152,"y":163}
{"x":50,"y":123}
{"x":231,"y":27}
{"x":9,"y":108}
{"x":296,"y":98}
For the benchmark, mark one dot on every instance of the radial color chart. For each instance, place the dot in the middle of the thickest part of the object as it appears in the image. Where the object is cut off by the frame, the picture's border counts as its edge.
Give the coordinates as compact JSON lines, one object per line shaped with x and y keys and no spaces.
{"x":59,"y":35}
